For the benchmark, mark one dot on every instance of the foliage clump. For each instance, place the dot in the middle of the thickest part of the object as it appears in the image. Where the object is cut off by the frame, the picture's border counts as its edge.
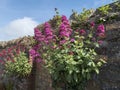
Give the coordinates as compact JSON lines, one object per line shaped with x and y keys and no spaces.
{"x":104,"y":10}
{"x":19,"y":67}
{"x":69,"y":54}
{"x":79,"y":20}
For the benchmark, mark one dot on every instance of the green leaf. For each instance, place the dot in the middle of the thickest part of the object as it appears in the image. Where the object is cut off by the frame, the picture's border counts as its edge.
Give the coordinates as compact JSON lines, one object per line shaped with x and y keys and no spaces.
{"x":103,"y":61}
{"x":88,"y":76}
{"x":97,"y":70}
{"x":69,"y":78}
{"x":70,"y":72}
{"x":89,"y":64}
{"x":96,"y":44}
{"x":99,"y":64}
{"x":75,"y":77}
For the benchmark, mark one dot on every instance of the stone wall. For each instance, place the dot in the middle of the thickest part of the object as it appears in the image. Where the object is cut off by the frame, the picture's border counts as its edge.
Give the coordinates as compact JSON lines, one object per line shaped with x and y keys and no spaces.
{"x":43,"y":80}
{"x":109,"y":77}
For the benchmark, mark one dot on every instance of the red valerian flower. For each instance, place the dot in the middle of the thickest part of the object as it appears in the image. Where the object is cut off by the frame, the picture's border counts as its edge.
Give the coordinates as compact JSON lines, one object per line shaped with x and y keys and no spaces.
{"x":33,"y":53}
{"x":92,"y":24}
{"x":64,"y":18}
{"x":101,"y":29}
{"x":62,"y":42}
{"x":65,"y":29}
{"x":38,"y":35}
{"x":101,"y":35}
{"x":2,"y":62}
{"x":100,"y":42}
{"x":71,"y":53}
{"x":82,"y":32}
{"x":48,"y":32}
{"x":72,"y":40}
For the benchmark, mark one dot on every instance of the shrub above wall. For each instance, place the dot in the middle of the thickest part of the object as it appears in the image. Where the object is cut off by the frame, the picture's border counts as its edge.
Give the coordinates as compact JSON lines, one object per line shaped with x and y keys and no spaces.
{"x":68,"y":51}
{"x":103,"y":51}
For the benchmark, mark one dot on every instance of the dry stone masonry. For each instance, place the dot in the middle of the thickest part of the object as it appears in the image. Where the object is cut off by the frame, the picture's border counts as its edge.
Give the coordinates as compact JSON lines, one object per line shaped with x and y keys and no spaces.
{"x":109,"y":77}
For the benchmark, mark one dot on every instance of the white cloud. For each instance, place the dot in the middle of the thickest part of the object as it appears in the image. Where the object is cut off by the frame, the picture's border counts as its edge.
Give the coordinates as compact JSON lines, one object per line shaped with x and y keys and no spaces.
{"x":18,"y":28}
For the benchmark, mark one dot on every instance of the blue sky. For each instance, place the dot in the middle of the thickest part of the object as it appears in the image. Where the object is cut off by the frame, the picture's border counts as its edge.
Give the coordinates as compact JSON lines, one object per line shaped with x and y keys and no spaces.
{"x":19,"y":17}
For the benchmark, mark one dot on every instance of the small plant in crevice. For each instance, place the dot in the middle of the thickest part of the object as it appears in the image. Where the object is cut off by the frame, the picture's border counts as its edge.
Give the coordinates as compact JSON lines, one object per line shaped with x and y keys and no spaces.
{"x":104,"y":10}
{"x":80,"y":20}
{"x":118,"y":5}
{"x":101,"y":20}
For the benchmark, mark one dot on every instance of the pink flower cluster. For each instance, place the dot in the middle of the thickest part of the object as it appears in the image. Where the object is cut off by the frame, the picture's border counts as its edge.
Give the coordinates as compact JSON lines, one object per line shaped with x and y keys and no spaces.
{"x":92,"y":24}
{"x":8,"y":54}
{"x":100,"y":30}
{"x":34,"y":54}
{"x":48,"y":32}
{"x":65,"y":29}
{"x":82,"y":32}
{"x":44,"y":36}
{"x":38,"y":35}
